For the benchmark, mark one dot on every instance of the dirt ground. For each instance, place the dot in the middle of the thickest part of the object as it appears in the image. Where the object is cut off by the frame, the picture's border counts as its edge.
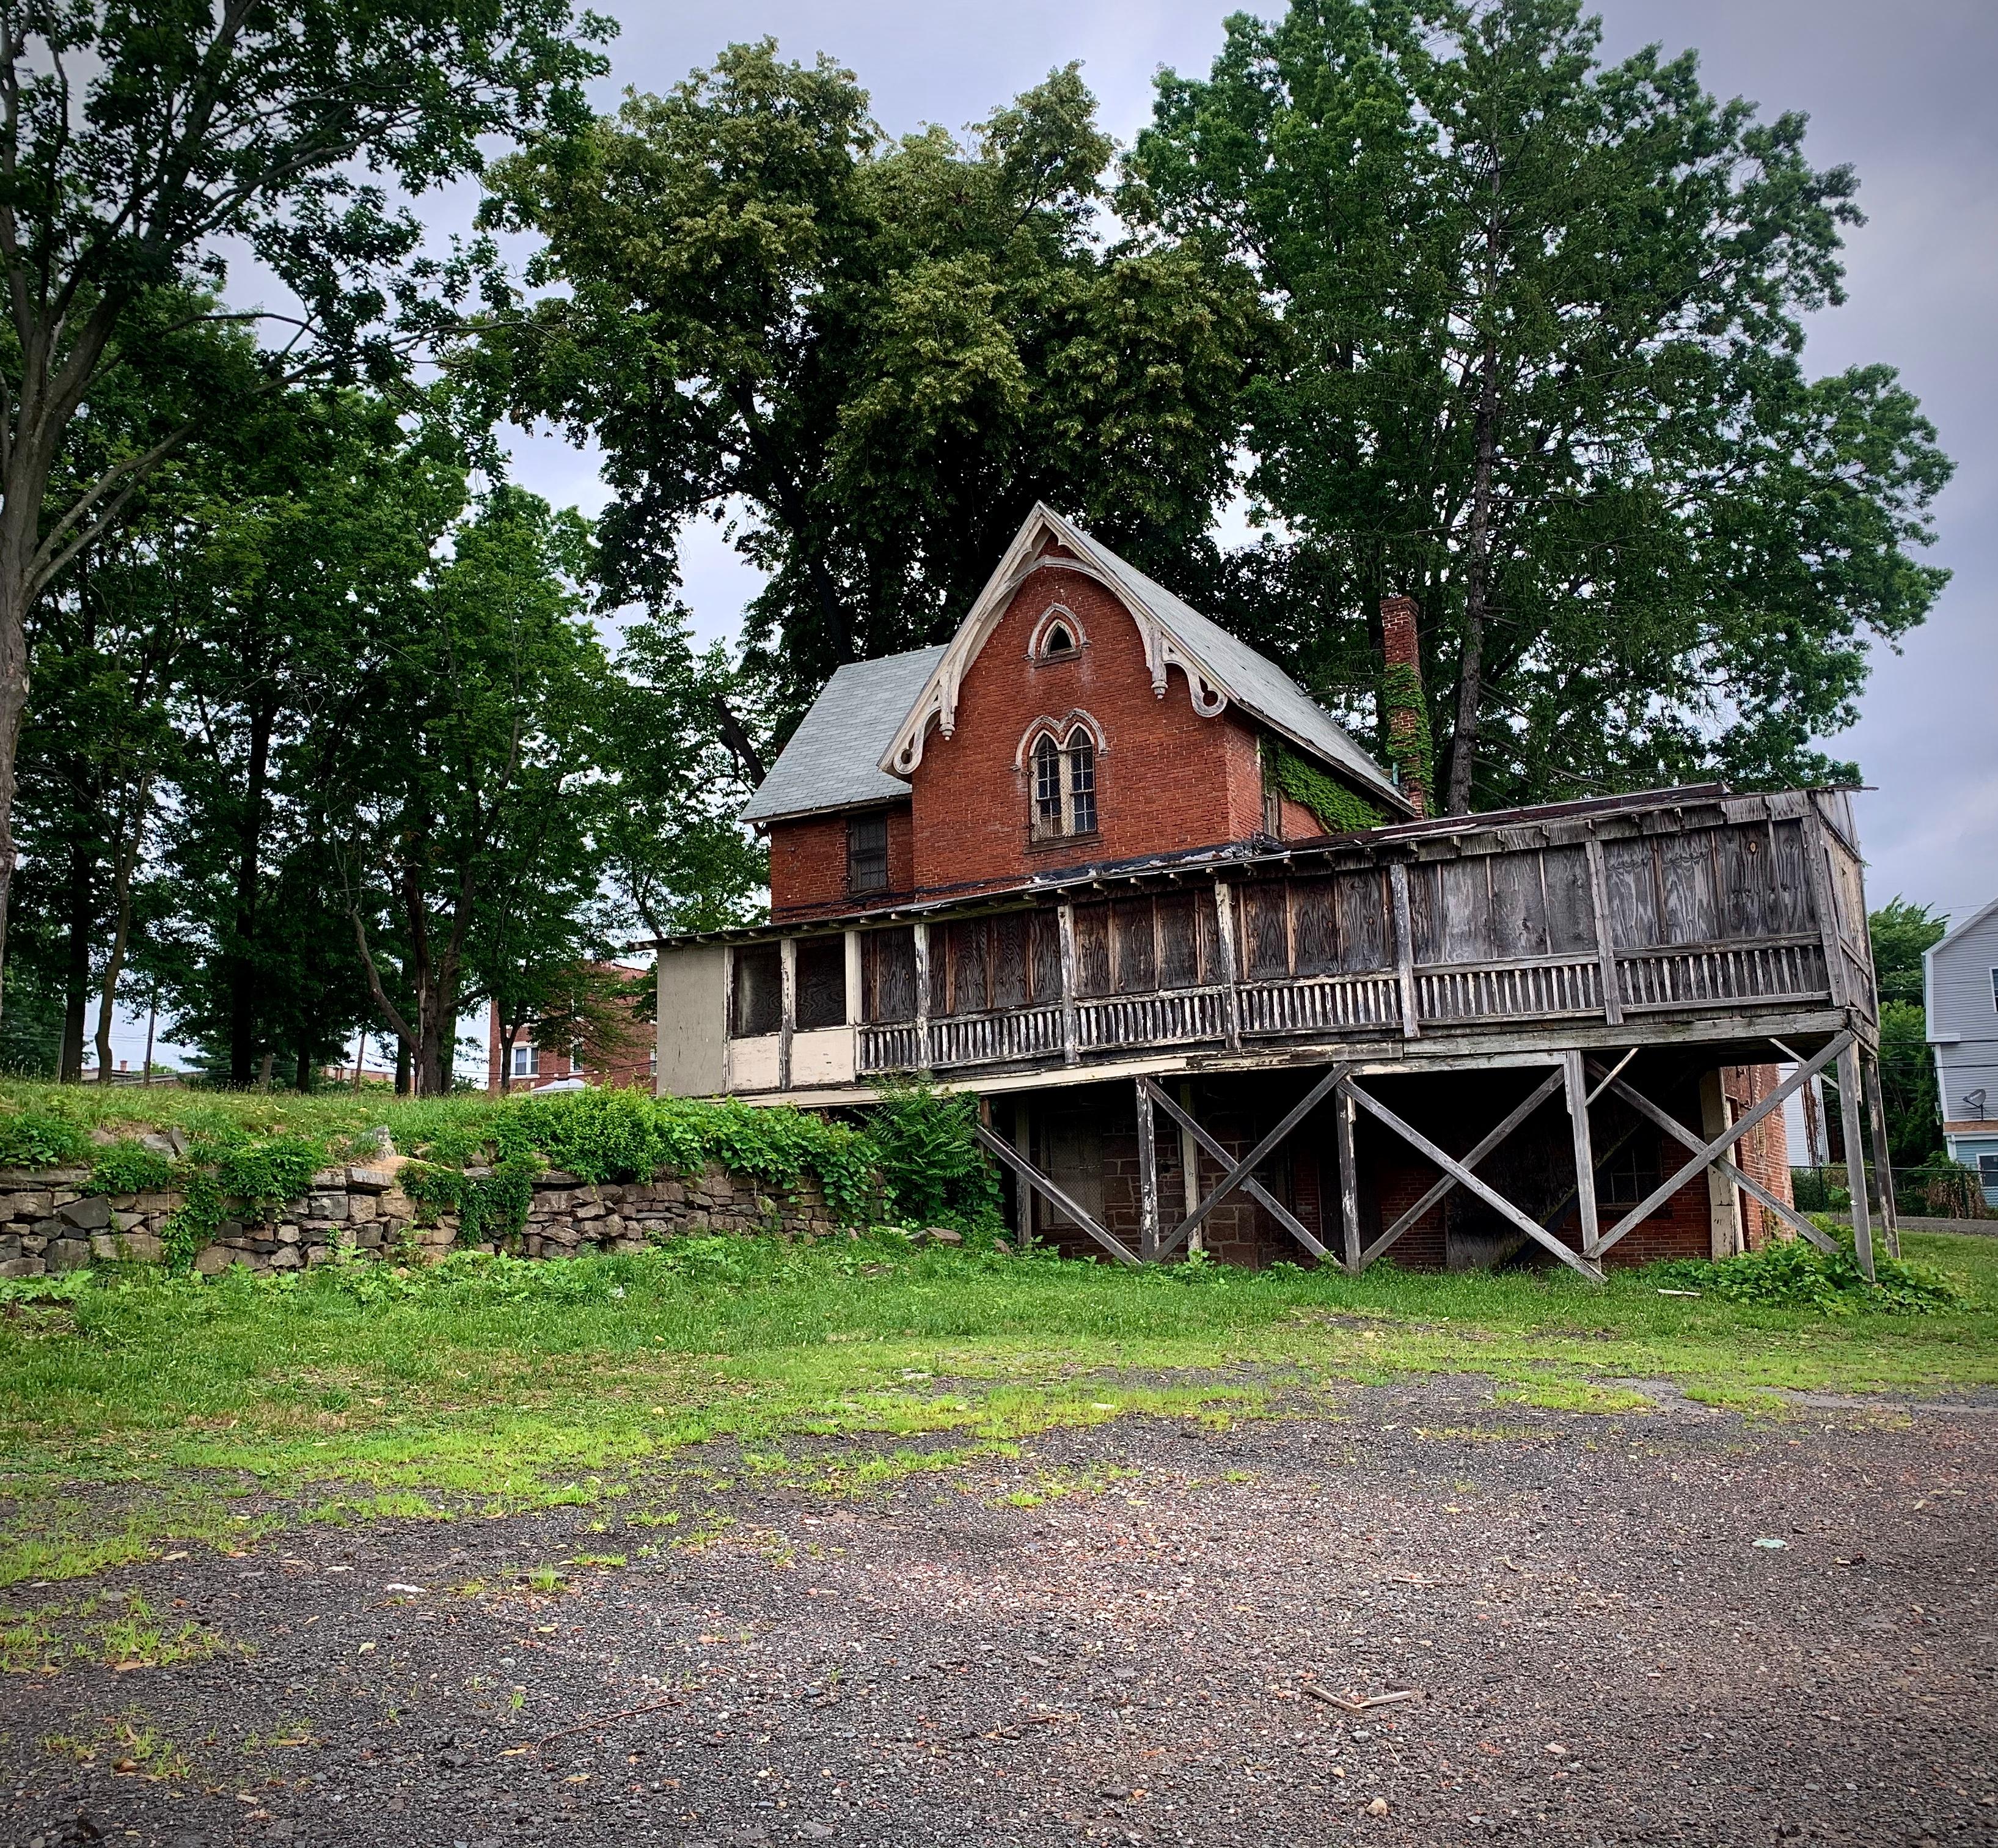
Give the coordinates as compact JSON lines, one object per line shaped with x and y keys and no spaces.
{"x":1592,"y":1646}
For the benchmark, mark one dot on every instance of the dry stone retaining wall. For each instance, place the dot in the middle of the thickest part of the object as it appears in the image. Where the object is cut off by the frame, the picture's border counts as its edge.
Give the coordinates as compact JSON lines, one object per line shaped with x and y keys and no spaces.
{"x":49,"y":1224}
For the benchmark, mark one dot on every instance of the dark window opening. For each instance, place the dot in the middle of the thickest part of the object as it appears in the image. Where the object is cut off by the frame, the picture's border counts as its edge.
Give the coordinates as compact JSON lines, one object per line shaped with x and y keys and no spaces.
{"x":1081,"y":782}
{"x":821,"y":983}
{"x":1630,"y":1173}
{"x":1059,"y":642}
{"x":867,"y":853}
{"x":757,"y":1004}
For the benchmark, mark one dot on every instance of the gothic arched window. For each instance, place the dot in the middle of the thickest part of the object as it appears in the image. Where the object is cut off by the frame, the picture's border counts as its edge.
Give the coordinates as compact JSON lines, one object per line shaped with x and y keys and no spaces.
{"x":1064,"y":778}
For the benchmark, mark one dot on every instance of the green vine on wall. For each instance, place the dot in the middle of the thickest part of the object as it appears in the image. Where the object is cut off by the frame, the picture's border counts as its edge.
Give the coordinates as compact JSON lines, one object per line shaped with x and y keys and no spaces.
{"x":1412,"y":751}
{"x":491,"y":1205}
{"x":1338,"y":809}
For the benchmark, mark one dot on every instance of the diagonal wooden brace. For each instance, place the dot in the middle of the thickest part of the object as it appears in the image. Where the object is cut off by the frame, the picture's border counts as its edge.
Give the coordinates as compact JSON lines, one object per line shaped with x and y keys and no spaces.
{"x":1540,"y":1095}
{"x":1032,"y":1176}
{"x":1703,"y":1157}
{"x":1251,"y":1186}
{"x":1679,"y":1133}
{"x":1450,"y":1165}
{"x":1253,"y":1161}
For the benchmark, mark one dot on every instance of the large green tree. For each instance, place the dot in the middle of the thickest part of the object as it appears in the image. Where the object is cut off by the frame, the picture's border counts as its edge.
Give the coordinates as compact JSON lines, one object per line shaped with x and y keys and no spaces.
{"x":870,"y":355}
{"x":145,"y":142}
{"x":1540,"y":366}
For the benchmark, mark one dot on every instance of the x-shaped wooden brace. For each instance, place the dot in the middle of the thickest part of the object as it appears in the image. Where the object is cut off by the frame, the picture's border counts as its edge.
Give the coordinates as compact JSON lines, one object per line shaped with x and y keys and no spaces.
{"x":1461,"y":1175}
{"x":1251,"y":1185}
{"x":1241,"y":1173}
{"x":1680,"y":1133}
{"x":1031,"y":1176}
{"x":1707,"y":1154}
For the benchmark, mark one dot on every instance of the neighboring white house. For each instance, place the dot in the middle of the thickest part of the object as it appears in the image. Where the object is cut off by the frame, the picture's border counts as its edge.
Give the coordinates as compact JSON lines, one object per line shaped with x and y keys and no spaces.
{"x":1960,"y":986}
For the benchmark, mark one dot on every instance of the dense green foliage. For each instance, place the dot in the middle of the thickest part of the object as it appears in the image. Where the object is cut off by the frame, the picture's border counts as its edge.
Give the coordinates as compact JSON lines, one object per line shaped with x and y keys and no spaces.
{"x":873,"y":356}
{"x":1338,"y":809}
{"x":1793,"y":1274}
{"x":1540,"y":320}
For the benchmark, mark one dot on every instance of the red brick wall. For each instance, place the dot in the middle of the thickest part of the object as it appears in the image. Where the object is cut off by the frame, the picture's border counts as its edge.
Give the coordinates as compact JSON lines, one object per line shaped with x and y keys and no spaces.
{"x":1166,"y":779}
{"x":808,"y":865}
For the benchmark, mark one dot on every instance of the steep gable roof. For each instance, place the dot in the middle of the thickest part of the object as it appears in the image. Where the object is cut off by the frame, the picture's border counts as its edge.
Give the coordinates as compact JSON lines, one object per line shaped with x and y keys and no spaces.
{"x":833,"y":759}
{"x":1220,"y":670}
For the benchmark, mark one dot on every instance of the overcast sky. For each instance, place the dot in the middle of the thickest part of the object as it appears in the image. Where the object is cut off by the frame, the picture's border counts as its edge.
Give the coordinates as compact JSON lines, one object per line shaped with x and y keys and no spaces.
{"x":1900,"y":89}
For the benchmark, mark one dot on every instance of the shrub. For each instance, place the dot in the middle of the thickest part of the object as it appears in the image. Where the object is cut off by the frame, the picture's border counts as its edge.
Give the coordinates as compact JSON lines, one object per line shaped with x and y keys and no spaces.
{"x":931,"y":1164}
{"x":1793,"y":1274}
{"x":41,"y":1138}
{"x":127,"y":1166}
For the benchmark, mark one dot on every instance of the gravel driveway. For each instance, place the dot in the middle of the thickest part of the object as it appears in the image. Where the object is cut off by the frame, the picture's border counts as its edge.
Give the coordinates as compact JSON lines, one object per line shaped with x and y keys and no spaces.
{"x":1589,"y":1642}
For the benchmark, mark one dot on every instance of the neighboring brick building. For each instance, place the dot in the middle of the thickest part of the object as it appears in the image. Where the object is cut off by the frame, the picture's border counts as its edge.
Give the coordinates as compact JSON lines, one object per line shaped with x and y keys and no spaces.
{"x":628,"y":1057}
{"x":1099,"y":861}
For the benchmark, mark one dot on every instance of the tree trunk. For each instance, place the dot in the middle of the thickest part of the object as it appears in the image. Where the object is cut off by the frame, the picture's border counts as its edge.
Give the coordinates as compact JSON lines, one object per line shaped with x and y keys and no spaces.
{"x":242,"y":961}
{"x":1477,"y":574}
{"x":76,"y":976}
{"x":402,"y":1067}
{"x":121,"y":936}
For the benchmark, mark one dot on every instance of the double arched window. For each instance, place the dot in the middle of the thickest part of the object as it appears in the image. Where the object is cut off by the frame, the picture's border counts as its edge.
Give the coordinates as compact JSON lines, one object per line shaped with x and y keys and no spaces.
{"x":1064,"y":776}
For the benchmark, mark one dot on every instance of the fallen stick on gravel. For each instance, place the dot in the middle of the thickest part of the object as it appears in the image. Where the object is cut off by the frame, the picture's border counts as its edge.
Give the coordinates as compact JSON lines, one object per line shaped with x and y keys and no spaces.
{"x":1359,"y":1703}
{"x":630,"y":1713}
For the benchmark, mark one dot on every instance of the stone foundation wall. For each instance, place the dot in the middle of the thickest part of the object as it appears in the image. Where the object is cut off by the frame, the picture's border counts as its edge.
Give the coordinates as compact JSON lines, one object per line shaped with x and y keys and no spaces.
{"x":49,"y":1224}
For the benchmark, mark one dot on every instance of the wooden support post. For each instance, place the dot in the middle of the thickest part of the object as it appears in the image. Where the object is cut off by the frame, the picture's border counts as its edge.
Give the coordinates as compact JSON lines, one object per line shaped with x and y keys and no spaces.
{"x":1251,"y":1185}
{"x":1818,"y":863}
{"x":1349,"y":1187}
{"x":1576,"y":1085}
{"x":1605,"y":946}
{"x":1071,"y":1035}
{"x":787,"y":1018}
{"x":920,"y":932}
{"x":1032,"y":1177}
{"x":1704,"y":1155}
{"x":1405,"y":948}
{"x":1464,"y":1177}
{"x":855,"y":986}
{"x":1679,"y":1133}
{"x":1231,"y":999}
{"x":1723,"y":1203}
{"x":1883,"y":1162}
{"x":1189,"y":1167}
{"x":1855,"y":1153}
{"x":728,"y":1018}
{"x":1147,"y":1176}
{"x":1244,"y":1169}
{"x":1023,"y":1194}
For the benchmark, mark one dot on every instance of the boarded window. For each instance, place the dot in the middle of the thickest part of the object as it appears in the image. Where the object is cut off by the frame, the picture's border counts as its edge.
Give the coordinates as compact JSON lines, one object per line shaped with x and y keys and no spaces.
{"x":1009,"y":959}
{"x":759,"y":1002}
{"x":1519,"y":906}
{"x":1179,"y":941}
{"x":1137,"y":959}
{"x":1317,"y":927}
{"x":1266,"y":934}
{"x":967,"y":949}
{"x":888,"y":973}
{"x":1046,"y":932}
{"x":1570,"y":907}
{"x":1363,"y":921}
{"x":1092,"y":949}
{"x":821,"y":982}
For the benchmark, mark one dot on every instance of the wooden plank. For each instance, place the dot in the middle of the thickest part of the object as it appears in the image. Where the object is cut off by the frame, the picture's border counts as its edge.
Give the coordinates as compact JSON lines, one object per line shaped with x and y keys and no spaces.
{"x":1315,"y":927}
{"x":1464,"y":924}
{"x":1349,"y":1187}
{"x":1519,"y":906}
{"x":1577,"y":1088}
{"x":1405,"y":948}
{"x":922,"y":939}
{"x":1137,"y":947}
{"x":1605,"y":940}
{"x":1032,"y":1176}
{"x":1254,"y":1159}
{"x":1179,"y":941}
{"x":787,"y":1016}
{"x":1148,"y":1175}
{"x":1364,"y":929}
{"x":1071,"y":1030}
{"x":1225,"y":945}
{"x":1023,"y":1194}
{"x":1044,"y":933}
{"x":1091,"y":928}
{"x":1724,"y":1204}
{"x":1265,"y":937}
{"x":1686,"y":872}
{"x":1790,"y":885}
{"x":1883,"y":1162}
{"x":1009,"y":959}
{"x":1192,"y":1134}
{"x":1630,"y":877}
{"x":1490,"y":1196}
{"x":1819,"y":869}
{"x":1189,"y":1164}
{"x":1665,"y":1189}
{"x":1855,"y":1153}
{"x":1445,"y":1183}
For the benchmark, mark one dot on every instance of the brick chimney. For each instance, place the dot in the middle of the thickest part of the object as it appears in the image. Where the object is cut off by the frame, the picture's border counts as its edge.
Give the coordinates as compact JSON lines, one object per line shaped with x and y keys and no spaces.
{"x":1407,"y":718}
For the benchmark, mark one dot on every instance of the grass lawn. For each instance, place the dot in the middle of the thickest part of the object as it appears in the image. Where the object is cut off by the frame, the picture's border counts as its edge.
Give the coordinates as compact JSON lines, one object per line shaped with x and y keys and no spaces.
{"x":157,"y":1412}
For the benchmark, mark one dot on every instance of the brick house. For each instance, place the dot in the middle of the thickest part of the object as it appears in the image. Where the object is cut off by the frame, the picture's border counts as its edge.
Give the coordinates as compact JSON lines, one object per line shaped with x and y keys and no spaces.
{"x":1219,"y":981}
{"x":626,"y":1057}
